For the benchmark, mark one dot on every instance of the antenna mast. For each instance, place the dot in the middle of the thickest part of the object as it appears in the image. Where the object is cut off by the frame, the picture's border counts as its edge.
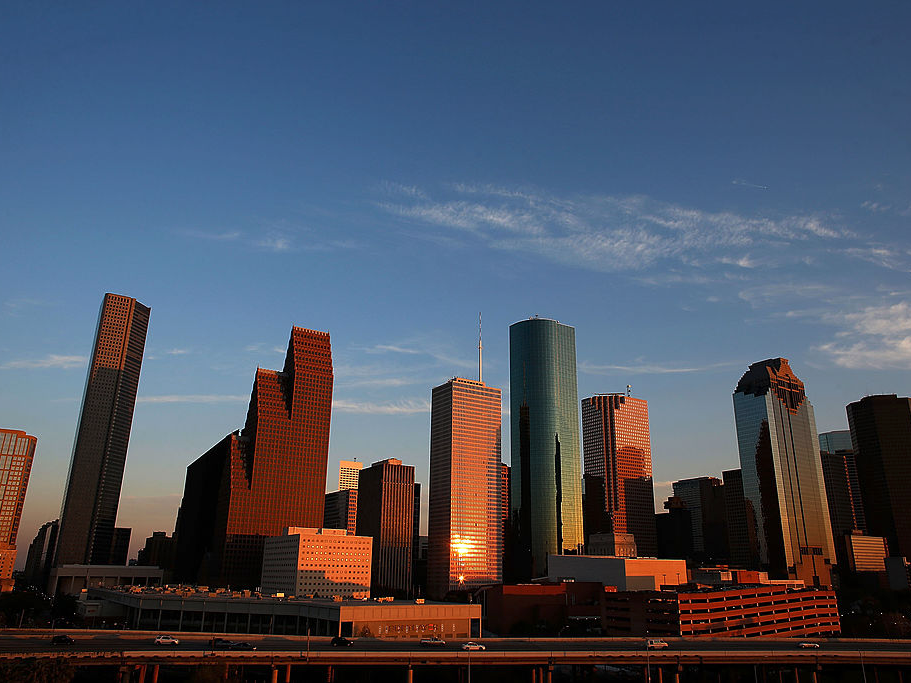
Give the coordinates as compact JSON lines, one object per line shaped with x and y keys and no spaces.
{"x":480,"y":349}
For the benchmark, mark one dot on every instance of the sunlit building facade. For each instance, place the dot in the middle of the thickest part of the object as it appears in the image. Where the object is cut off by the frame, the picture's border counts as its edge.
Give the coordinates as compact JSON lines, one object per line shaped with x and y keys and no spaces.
{"x":92,"y":493}
{"x":465,"y":525}
{"x":546,"y":478}
{"x":348,"y":471}
{"x":782,"y":473}
{"x":268,"y":476}
{"x":17,"y":451}
{"x":616,"y":446}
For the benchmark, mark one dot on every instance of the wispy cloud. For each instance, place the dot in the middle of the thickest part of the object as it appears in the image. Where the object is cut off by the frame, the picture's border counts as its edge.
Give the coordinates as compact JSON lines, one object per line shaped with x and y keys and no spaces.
{"x":16,"y":306}
{"x":276,"y":243}
{"x":422,"y":348}
{"x":877,"y":337}
{"x":193,"y":398}
{"x":50,"y":361}
{"x":876,"y":207}
{"x":226,"y":236}
{"x":648,"y":368}
{"x":403,"y":407}
{"x":178,"y":352}
{"x":617,"y":233}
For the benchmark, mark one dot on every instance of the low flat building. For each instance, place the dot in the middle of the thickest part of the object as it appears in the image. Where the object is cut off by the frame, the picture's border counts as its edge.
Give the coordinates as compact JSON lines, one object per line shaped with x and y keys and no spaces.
{"x":71,"y":579}
{"x":317,"y":563}
{"x":626,"y":573}
{"x":758,"y":611}
{"x":542,"y":608}
{"x":865,"y":553}
{"x":221,"y":611}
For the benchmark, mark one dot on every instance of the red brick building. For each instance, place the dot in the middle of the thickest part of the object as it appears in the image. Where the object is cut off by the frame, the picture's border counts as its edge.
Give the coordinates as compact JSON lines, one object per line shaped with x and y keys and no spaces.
{"x":268,"y":476}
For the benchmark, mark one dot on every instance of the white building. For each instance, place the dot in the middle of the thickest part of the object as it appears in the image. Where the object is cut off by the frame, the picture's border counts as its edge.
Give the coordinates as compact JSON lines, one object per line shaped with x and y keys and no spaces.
{"x":317,"y":562}
{"x":348,"y":473}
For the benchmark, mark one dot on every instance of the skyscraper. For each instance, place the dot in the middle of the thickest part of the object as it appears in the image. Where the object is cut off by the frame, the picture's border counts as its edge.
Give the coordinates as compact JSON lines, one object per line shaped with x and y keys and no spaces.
{"x":782,"y":474}
{"x":347,"y":474}
{"x":704,"y":498}
{"x":839,"y":472}
{"x":742,"y":532}
{"x":385,"y":511}
{"x":40,"y":558}
{"x":341,"y":510}
{"x":93,"y":486}
{"x":616,"y":446}
{"x":881,"y":436}
{"x":544,"y":423}
{"x":17,"y":451}
{"x":465,"y":548}
{"x":268,"y":476}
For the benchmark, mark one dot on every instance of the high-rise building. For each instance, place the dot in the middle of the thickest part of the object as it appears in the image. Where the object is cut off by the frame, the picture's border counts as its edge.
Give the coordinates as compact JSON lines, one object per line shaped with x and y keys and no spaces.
{"x":782,"y":474}
{"x":839,"y":472}
{"x":742,"y":532}
{"x":675,"y":530}
{"x":546,"y":482}
{"x":92,"y":493}
{"x":268,"y":476}
{"x":704,"y":498}
{"x":347,"y":474}
{"x":881,"y":437}
{"x":40,"y":557}
{"x":17,"y":451}
{"x":465,"y":526}
{"x":385,"y":512}
{"x":341,"y":510}
{"x":619,"y":496}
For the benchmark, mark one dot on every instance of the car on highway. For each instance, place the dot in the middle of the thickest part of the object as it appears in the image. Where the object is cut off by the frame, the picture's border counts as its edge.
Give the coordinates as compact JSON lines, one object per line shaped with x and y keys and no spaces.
{"x":340,"y":641}
{"x":222,"y":643}
{"x":807,"y":645}
{"x":62,"y":639}
{"x":166,"y":640}
{"x":433,"y":640}
{"x":242,"y":645}
{"x":471,"y":645}
{"x":655,"y":644}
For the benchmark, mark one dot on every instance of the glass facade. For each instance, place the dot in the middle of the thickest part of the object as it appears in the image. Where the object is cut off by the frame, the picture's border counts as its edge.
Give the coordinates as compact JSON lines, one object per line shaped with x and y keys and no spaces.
{"x":782,"y":473}
{"x":92,"y":493}
{"x":17,"y":451}
{"x":544,"y":425}
{"x":465,"y":548}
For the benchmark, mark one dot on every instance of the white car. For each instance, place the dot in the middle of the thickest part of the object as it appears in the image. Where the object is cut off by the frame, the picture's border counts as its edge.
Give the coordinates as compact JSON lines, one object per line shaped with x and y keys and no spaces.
{"x":471,"y":645}
{"x":655,"y":644}
{"x":808,"y":645}
{"x":166,"y":640}
{"x":433,"y":640}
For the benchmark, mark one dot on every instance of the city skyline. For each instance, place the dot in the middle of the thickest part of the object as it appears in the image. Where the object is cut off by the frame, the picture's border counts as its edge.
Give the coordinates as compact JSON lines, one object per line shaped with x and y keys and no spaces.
{"x":740,"y":193}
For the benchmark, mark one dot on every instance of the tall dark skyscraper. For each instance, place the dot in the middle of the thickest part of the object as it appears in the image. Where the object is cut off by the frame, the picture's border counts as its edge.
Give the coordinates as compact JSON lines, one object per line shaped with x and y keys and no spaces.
{"x":544,"y":419}
{"x":385,"y":511}
{"x":881,"y":435}
{"x":619,"y":495}
{"x":92,"y":493}
{"x":465,"y":548}
{"x":704,"y":498}
{"x":782,"y":473}
{"x":264,"y":478}
{"x":842,"y":489}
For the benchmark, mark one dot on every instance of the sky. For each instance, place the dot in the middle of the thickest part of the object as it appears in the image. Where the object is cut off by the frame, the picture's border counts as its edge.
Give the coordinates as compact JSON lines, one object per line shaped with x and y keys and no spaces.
{"x":693,"y":186}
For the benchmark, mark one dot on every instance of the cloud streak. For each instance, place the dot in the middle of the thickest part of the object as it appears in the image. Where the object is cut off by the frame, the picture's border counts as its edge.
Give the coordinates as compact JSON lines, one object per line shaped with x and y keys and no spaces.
{"x":403,"y":407}
{"x":192,"y":398}
{"x":876,"y":337}
{"x":48,"y":362}
{"x":648,"y":368}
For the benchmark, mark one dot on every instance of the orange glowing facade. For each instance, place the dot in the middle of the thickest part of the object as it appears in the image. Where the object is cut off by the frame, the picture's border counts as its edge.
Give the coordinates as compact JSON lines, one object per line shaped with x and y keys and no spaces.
{"x":619,"y":496}
{"x":17,"y":450}
{"x":465,"y":524}
{"x":268,"y":476}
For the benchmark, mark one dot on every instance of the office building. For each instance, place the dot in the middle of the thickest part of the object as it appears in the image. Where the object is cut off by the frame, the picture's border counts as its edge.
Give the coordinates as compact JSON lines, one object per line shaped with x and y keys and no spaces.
{"x":465,"y":525}
{"x":675,"y":530}
{"x":624,"y":573}
{"x":159,"y":551}
{"x":341,"y":510}
{"x":704,"y":498}
{"x":40,"y":557}
{"x":839,"y":470}
{"x":546,"y":482}
{"x":92,"y":492}
{"x":782,"y":473}
{"x":317,"y":563}
{"x":260,"y":480}
{"x":348,"y":471}
{"x":742,"y":533}
{"x":385,"y":512}
{"x":17,"y":451}
{"x":881,"y":437}
{"x":619,"y":496}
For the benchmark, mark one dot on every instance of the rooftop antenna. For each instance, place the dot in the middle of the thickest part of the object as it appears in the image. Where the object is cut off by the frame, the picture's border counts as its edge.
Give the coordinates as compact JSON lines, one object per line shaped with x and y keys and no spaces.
{"x":480,"y":349}
{"x":629,"y":388}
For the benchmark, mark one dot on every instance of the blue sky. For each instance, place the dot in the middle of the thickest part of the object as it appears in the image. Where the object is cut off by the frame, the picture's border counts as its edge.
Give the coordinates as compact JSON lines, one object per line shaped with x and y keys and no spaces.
{"x":694,"y":187}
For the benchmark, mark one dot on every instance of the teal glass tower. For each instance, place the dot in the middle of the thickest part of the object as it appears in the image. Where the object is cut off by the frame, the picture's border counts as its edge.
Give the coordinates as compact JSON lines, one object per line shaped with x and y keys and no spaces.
{"x":546,"y":479}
